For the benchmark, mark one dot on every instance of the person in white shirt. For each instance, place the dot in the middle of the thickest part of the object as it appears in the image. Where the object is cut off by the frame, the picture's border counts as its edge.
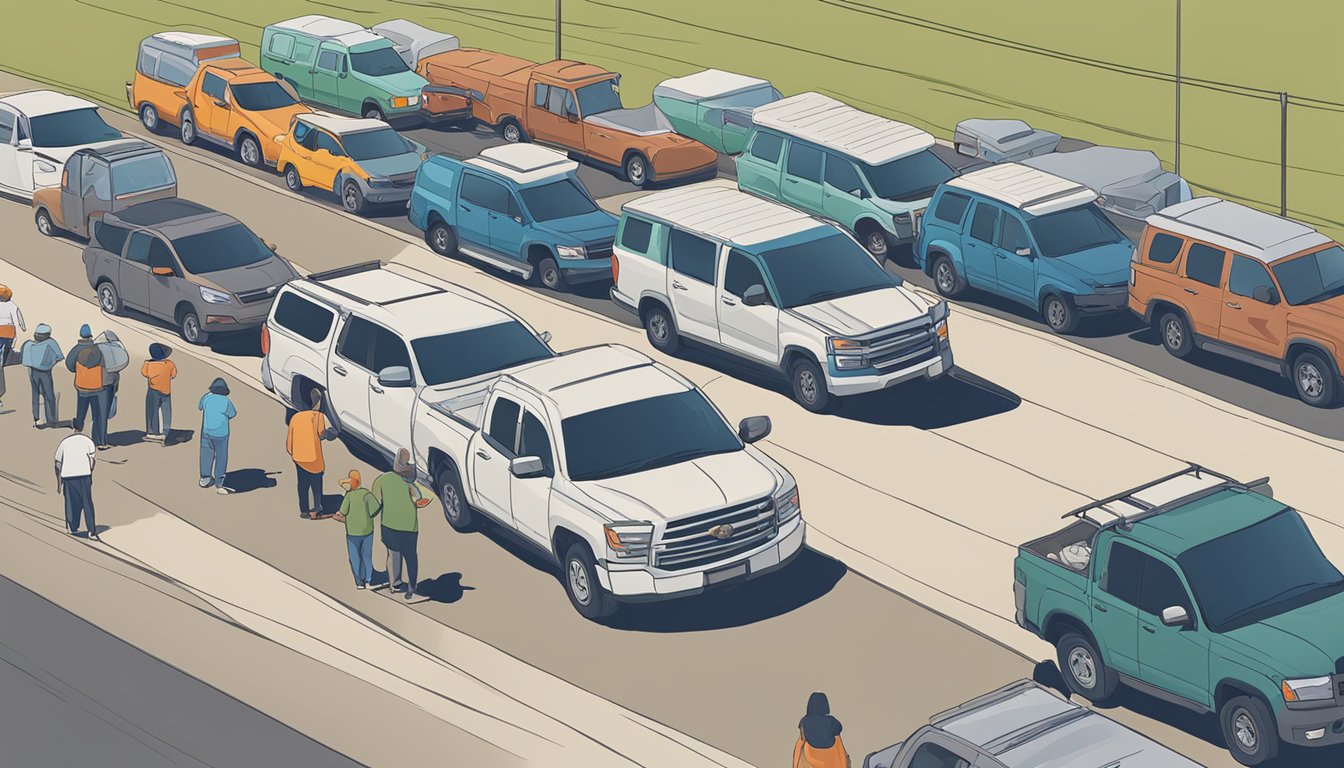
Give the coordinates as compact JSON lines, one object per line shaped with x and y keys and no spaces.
{"x":75,"y":457}
{"x":11,"y":322}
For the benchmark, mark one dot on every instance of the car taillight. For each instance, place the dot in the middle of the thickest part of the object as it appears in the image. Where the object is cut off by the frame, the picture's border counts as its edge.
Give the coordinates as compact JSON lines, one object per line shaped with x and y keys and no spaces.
{"x":265,"y":340}
{"x":615,"y":270}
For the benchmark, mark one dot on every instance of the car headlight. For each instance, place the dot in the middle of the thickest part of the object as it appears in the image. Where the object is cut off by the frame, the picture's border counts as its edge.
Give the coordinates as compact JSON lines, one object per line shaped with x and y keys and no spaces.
{"x":401,"y":102}
{"x":627,"y":541}
{"x":44,"y":166}
{"x":379,"y":181}
{"x":278,"y":138}
{"x":215,"y":297}
{"x":940,"y":328}
{"x":571,"y":251}
{"x":1308,"y":689}
{"x":787,"y":503}
{"x":845,"y":346}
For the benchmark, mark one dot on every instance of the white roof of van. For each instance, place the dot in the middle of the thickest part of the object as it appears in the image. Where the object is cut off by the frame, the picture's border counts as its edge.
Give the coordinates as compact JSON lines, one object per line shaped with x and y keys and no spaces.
{"x":415,"y":42}
{"x":599,"y":377}
{"x":710,"y":83}
{"x":340,"y":124}
{"x":725,"y":213}
{"x":38,"y":103}
{"x":1238,"y":228}
{"x":1027,"y":189}
{"x":193,"y":39}
{"x":836,"y":125}
{"x":524,"y":163}
{"x":345,"y":32}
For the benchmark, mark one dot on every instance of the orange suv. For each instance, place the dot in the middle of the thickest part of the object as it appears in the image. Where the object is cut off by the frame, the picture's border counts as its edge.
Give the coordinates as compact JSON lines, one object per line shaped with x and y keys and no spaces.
{"x":1221,"y":277}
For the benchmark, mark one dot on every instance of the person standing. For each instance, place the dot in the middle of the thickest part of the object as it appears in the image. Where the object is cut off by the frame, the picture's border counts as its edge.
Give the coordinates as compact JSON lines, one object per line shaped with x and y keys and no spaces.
{"x":216,"y":412}
{"x":75,"y":457}
{"x":11,"y":322}
{"x":86,"y":362}
{"x":819,"y":744}
{"x":307,"y":430}
{"x":159,"y":373}
{"x":39,"y":356}
{"x":358,"y":508}
{"x":400,"y":499}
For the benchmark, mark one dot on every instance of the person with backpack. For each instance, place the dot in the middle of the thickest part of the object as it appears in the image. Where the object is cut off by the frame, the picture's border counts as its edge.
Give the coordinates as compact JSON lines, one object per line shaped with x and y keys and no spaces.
{"x":819,"y":744}
{"x":86,"y":362}
{"x":159,"y":373}
{"x":11,"y":322}
{"x":39,"y":355}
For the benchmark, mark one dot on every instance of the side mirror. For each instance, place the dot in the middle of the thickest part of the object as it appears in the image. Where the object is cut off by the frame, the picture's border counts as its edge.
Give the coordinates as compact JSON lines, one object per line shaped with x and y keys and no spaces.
{"x":1023,"y":252}
{"x":162,"y":271}
{"x":221,"y":104}
{"x":753,"y":428}
{"x":1175,"y":616}
{"x":755,"y":296}
{"x":965,"y":149}
{"x":25,"y":143}
{"x":1265,"y":294}
{"x":546,"y":337}
{"x":860,"y":193}
{"x":527,"y":467}
{"x":395,"y":376}
{"x":572,"y":117}
{"x":274,"y":248}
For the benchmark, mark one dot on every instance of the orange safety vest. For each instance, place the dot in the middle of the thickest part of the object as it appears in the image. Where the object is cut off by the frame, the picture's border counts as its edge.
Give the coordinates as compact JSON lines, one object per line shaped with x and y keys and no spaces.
{"x":88,"y":379}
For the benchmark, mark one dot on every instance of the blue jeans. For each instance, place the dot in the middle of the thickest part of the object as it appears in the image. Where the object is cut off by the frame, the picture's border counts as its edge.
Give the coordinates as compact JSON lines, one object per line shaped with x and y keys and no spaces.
{"x":214,"y":451}
{"x":95,"y":401}
{"x":158,"y":413}
{"x":360,"y":549}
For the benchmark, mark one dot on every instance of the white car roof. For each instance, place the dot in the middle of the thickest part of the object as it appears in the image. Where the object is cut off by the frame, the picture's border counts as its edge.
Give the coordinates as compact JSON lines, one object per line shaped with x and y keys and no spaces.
{"x":524,"y":163}
{"x":598,"y":377}
{"x":836,"y":125}
{"x":711,"y":83}
{"x":415,"y":42}
{"x":408,"y":306}
{"x":193,"y":39}
{"x":340,"y":124}
{"x":344,"y":32}
{"x":38,"y":103}
{"x":1238,"y":228}
{"x":724,"y":213}
{"x":1027,"y":189}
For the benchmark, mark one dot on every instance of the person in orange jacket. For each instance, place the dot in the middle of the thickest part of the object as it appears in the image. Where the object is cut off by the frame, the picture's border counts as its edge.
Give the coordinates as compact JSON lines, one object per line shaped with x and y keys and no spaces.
{"x":159,"y":373}
{"x":85,"y":360}
{"x":307,"y":430}
{"x":819,"y":744}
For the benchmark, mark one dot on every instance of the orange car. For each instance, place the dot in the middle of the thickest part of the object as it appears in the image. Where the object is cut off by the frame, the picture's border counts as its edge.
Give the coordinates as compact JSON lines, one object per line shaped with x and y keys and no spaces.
{"x":573,"y":106}
{"x":1264,"y":290}
{"x":233,"y":104}
{"x":166,"y":64}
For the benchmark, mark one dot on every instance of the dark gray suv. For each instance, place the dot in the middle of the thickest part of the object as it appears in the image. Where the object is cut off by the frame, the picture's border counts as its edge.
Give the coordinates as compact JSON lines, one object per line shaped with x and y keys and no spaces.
{"x":182,"y":262}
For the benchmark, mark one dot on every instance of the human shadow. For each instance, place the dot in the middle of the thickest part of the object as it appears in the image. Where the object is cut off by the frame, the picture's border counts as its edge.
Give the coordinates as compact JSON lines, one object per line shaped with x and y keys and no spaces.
{"x":447,"y":588}
{"x":245,"y":480}
{"x":178,"y":436}
{"x":125,"y":437}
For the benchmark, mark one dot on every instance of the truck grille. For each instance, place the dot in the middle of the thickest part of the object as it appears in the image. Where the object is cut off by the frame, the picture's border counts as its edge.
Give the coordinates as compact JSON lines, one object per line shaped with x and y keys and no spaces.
{"x":404,"y":180}
{"x":600,"y":249}
{"x":904,"y":347}
{"x":261,"y":294}
{"x":687,"y":542}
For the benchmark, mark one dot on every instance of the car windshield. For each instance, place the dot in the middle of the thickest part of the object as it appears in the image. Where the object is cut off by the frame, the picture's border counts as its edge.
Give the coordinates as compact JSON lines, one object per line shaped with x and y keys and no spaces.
{"x":371,"y":145}
{"x":557,"y":200}
{"x":913,"y":177}
{"x":468,"y":354}
{"x":378,"y":62}
{"x":599,"y":97}
{"x":138,"y":174}
{"x":1315,"y":277}
{"x":1259,"y":572}
{"x":228,"y":247}
{"x":1073,"y":230}
{"x":826,"y":268}
{"x":259,"y":97}
{"x":644,"y":434}
{"x":71,"y":129}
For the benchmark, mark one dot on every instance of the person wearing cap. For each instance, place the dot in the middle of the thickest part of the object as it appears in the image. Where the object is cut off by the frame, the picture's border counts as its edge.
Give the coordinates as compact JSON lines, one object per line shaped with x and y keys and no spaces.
{"x":307,"y":430}
{"x":358,"y":508}
{"x":75,"y":457}
{"x":216,"y":412}
{"x":39,"y":355}
{"x":11,"y":322}
{"x":86,"y":362}
{"x":400,"y":499}
{"x":159,"y":373}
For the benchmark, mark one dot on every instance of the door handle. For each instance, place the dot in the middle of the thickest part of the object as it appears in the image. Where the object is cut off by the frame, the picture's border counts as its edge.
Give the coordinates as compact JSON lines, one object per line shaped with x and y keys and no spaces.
{"x":729,"y":301}
{"x":338,"y":370}
{"x":375,"y":388}
{"x":1149,"y":629}
{"x":1099,"y":607}
{"x":463,"y":207}
{"x":481,"y":452}
{"x":312,"y":71}
{"x":1001,"y":256}
{"x":678,"y":286}
{"x":1192,"y":291}
{"x":1232,"y":304}
{"x":601,"y":135}
{"x":494,"y":217}
{"x":792,"y":181}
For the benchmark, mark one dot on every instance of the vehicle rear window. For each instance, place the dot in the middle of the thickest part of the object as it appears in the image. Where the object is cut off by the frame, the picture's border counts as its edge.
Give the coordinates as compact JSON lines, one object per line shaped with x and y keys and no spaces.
{"x":951,"y":208}
{"x":468,"y":354}
{"x":1205,"y":264}
{"x":766,"y":146}
{"x":110,"y":237}
{"x":693,"y":256}
{"x":139,"y":174}
{"x":636,"y":234}
{"x":804,"y":162}
{"x":1164,"y":248}
{"x":1123,"y":571}
{"x":174,"y":70}
{"x":308,"y":319}
{"x":228,"y":247}
{"x":148,"y":59}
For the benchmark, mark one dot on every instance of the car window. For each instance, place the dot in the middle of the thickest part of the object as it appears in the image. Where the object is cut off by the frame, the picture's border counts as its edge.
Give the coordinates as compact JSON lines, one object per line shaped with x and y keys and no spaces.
{"x":220,"y":249}
{"x":558,"y":200}
{"x":145,"y":172}
{"x":377,"y":62}
{"x":328,"y":142}
{"x":485,"y":193}
{"x":70,"y":177}
{"x":766,"y":146}
{"x":95,"y":181}
{"x":160,"y":255}
{"x":174,"y":70}
{"x":804,"y":162}
{"x":555,"y":100}
{"x":306,"y":318}
{"x":388,"y":351}
{"x":982,"y":223}
{"x":692,"y":256}
{"x":636,"y":234}
{"x":1121,"y":575}
{"x":471,"y":353}
{"x":841,"y":174}
{"x":303,"y":51}
{"x":539,"y":94}
{"x":139,"y":250}
{"x":533,"y":441}
{"x":70,"y":129}
{"x":148,"y":61}
{"x":1012,"y":235}
{"x":1161,"y":588}
{"x":282,"y":45}
{"x":1205,"y":264}
{"x":330,"y":61}
{"x":503,"y":431}
{"x":213,"y":86}
{"x":305,"y":135}
{"x":110,"y":237}
{"x":1164,"y":248}
{"x":741,"y":273}
{"x":263,"y":96}
{"x":951,"y":208}
{"x":933,"y":756}
{"x":1247,"y":275}
{"x":354,"y":343}
{"x":7,"y":120}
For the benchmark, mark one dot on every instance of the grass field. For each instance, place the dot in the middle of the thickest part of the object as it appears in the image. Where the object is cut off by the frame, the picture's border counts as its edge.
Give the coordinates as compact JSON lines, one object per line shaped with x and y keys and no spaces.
{"x":1069,"y":66}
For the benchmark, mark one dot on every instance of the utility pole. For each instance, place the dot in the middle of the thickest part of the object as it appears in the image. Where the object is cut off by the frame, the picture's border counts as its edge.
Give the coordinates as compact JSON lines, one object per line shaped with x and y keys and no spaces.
{"x":1178,"y":83}
{"x":557,"y":30}
{"x":1283,"y":154}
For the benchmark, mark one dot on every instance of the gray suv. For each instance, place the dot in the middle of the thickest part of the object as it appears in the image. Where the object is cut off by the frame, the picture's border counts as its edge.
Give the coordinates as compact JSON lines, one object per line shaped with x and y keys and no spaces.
{"x":182,"y":262}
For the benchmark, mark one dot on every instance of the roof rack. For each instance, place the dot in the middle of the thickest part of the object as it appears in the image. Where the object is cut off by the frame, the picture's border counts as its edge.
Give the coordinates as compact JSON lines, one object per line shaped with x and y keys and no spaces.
{"x":353,"y":269}
{"x":1146,"y":510}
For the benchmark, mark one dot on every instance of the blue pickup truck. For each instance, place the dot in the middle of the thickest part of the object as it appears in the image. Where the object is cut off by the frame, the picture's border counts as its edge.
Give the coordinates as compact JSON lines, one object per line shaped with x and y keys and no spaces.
{"x":520,"y":208}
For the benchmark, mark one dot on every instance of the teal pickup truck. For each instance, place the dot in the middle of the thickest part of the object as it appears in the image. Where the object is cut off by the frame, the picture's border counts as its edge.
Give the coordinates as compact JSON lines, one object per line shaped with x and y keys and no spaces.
{"x":1199,"y":590}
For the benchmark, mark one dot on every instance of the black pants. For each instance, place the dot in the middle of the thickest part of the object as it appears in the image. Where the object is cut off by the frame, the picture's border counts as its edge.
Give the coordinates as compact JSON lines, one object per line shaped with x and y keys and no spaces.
{"x":401,"y":547}
{"x":310,"y":486}
{"x":79,"y":498}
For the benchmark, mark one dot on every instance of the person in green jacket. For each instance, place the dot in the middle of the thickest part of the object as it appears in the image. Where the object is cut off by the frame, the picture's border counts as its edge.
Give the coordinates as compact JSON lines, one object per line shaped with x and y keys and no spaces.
{"x":358,"y":508}
{"x":401,"y":500}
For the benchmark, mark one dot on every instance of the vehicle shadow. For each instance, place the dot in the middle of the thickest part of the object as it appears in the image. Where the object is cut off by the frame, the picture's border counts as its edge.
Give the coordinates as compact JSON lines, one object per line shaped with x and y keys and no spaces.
{"x":1226,"y":366}
{"x":233,"y":343}
{"x":957,"y":398}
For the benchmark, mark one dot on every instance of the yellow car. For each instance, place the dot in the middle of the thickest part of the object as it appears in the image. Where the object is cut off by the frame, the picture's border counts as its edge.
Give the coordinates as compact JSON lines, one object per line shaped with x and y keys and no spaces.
{"x":361,"y":160}
{"x":233,"y":104}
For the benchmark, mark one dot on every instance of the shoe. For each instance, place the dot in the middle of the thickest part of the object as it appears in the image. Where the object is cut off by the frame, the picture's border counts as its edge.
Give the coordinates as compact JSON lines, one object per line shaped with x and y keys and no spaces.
{"x":104,"y":447}
{"x":410,"y":594}
{"x":154,"y":438}
{"x":222,"y":491}
{"x":94,"y":537}
{"x":37,"y":424}
{"x":206,"y":482}
{"x":360,"y":586}
{"x":400,"y":585}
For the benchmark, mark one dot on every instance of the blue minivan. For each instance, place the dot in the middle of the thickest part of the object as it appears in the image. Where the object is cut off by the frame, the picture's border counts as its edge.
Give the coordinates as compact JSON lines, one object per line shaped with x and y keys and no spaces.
{"x":1028,"y":236}
{"x":518,"y":207}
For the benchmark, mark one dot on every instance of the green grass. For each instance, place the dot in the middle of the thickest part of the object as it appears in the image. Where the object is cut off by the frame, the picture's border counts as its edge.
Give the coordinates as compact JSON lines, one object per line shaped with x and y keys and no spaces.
{"x":930,"y":64}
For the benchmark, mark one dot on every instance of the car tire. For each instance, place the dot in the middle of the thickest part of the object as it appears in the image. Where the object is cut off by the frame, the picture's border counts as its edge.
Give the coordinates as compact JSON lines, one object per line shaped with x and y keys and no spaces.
{"x":109,"y":298}
{"x":149,"y":117}
{"x":1314,"y":379}
{"x":190,"y":329}
{"x":352,"y":198}
{"x":1249,"y":730}
{"x":512,"y":132}
{"x":187,"y":131}
{"x":456,"y":511}
{"x":809,"y":386}
{"x":1059,"y":314}
{"x":875,"y":242}
{"x":946,"y":280}
{"x":549,"y":275}
{"x":292,"y":179}
{"x":1083,"y":669}
{"x":661,"y":330}
{"x":579,"y":574}
{"x":1174,"y":332}
{"x":372,"y":112}
{"x":249,"y":151}
{"x":636,"y":169}
{"x":441,"y":239}
{"x":46,"y":226}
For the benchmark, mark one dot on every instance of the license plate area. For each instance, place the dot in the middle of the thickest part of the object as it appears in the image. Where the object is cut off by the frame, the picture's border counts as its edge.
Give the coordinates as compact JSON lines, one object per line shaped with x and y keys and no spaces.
{"x":736,"y":571}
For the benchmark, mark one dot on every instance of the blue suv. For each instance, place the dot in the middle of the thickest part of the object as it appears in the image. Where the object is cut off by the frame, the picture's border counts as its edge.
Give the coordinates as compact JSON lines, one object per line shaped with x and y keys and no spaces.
{"x":520,"y":208}
{"x":1028,"y":236}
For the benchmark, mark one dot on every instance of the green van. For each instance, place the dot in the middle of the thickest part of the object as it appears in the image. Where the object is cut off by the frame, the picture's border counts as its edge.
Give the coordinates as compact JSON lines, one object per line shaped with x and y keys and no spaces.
{"x":342,"y":66}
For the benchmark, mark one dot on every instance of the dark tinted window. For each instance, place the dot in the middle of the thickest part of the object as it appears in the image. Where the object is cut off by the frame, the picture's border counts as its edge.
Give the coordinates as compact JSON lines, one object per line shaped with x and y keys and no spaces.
{"x":328,"y":142}
{"x":159,"y":255}
{"x":766,"y":146}
{"x":741,"y":273}
{"x":305,"y":135}
{"x":594,"y":99}
{"x":982,"y":223}
{"x":828,"y":267}
{"x":308,"y":319}
{"x":952,"y":208}
{"x":1073,"y":230}
{"x":1164,"y":248}
{"x":174,"y":70}
{"x":1311,"y":278}
{"x":933,"y":756}
{"x":259,"y":97}
{"x":484,"y":193}
{"x":840,"y":174}
{"x":1161,"y":588}
{"x":533,"y":441}
{"x":371,"y":145}
{"x":540,"y":93}
{"x":557,"y":200}
{"x":388,"y":351}
{"x":468,"y":354}
{"x":910,"y":178}
{"x":1205,"y":264}
{"x":1123,"y":570}
{"x":614,"y":441}
{"x":1246,"y":276}
{"x":7,"y":120}
{"x":1012,"y":235}
{"x":139,"y":250}
{"x":220,"y":249}
{"x":636,"y":234}
{"x":213,"y":85}
{"x":142,"y":173}
{"x":111,"y":237}
{"x":804,"y":162}
{"x":68,"y":129}
{"x":354,"y":343}
{"x":692,"y":256}
{"x":503,"y":430}
{"x":378,"y":62}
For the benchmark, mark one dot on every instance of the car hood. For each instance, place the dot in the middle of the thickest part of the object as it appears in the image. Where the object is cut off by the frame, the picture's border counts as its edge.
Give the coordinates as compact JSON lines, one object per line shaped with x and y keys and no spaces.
{"x":863,"y":312}
{"x":264,"y":274}
{"x":273,"y":122}
{"x":1304,"y":642}
{"x":393,"y":165}
{"x":586,"y":227}
{"x":400,"y":84}
{"x":1104,"y":265}
{"x":668,"y":493}
{"x":1330,"y":311}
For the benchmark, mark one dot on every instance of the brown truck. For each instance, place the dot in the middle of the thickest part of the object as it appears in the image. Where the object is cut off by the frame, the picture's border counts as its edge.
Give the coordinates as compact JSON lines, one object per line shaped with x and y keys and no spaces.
{"x":572,"y":106}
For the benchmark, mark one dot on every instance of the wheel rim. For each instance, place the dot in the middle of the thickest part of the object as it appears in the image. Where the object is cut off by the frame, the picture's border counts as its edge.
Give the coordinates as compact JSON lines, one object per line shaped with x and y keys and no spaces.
{"x":1055,"y":313}
{"x":945,"y":279}
{"x":877,"y":243}
{"x":149,"y":117}
{"x":1244,"y":730}
{"x":107,"y":298}
{"x":292,"y":178}
{"x":1174,"y":334}
{"x":636,"y":171}
{"x":191,"y":328}
{"x":1310,"y":380}
{"x":1083,"y":668}
{"x":43,"y":224}
{"x":249,"y":151}
{"x":351,"y":197}
{"x":511,"y":133}
{"x":551,"y":277}
{"x":659,"y":328}
{"x":452,"y":503}
{"x":188,"y":132}
{"x":807,"y":386}
{"x":373,"y":114}
{"x":578,"y":582}
{"x":440,"y":239}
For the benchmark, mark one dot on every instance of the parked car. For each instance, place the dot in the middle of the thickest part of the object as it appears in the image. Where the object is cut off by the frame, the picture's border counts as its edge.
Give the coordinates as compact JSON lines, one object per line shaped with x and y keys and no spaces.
{"x":1023,"y":725}
{"x":1202,"y":591}
{"x":574,"y":107}
{"x":359,"y":159}
{"x":518,"y":207}
{"x":165,"y":65}
{"x":39,"y":131}
{"x":777,"y":288}
{"x":1129,"y":182}
{"x":1218,"y":276}
{"x":1027,"y":236}
{"x":1002,"y":141}
{"x":97,"y":181}
{"x":415,"y":43}
{"x":342,"y":66}
{"x":237,"y":106}
{"x":872,"y":175}
{"x":182,"y":262}
{"x":714,"y":107}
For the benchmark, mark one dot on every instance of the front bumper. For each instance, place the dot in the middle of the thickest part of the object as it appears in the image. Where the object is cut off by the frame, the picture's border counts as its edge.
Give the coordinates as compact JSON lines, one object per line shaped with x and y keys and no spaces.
{"x":379,"y":195}
{"x":584,"y":270}
{"x":1325,"y":724}
{"x":842,"y":384}
{"x":1098,"y":303}
{"x":226,"y":318}
{"x":706,"y":171}
{"x":445,"y":116}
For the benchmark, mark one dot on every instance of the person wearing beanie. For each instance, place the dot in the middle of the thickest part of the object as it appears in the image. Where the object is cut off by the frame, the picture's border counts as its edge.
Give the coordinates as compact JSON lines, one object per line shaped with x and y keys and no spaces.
{"x":400,"y":500}
{"x":307,"y":430}
{"x":86,"y":362}
{"x":216,"y":412}
{"x":11,"y":322}
{"x":358,"y":508}
{"x":39,"y":356}
{"x":159,"y":373}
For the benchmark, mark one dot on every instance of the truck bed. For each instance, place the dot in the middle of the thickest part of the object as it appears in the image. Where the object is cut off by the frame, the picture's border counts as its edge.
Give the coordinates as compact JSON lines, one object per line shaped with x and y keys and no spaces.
{"x":1069,"y":547}
{"x":467,"y":409}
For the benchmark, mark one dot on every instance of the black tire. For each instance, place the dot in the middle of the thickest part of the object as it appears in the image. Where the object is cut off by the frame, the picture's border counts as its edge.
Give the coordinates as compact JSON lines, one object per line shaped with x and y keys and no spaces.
{"x":809,"y":386}
{"x":352,"y":198}
{"x":1174,"y":332}
{"x":190,"y":329}
{"x":46,"y":226}
{"x":1059,"y":314}
{"x":512,"y":132}
{"x":1314,"y":379}
{"x":187,"y":131}
{"x":109,"y":298}
{"x":149,"y":117}
{"x":441,"y":239}
{"x":548,"y":274}
{"x":875,"y":242}
{"x":1249,"y":730}
{"x":249,"y":151}
{"x":661,"y":330}
{"x":636,"y":169}
{"x":374,"y":112}
{"x":1083,"y":669}
{"x":579,"y":574}
{"x":292,"y":179}
{"x":456,"y":511}
{"x":946,"y":279}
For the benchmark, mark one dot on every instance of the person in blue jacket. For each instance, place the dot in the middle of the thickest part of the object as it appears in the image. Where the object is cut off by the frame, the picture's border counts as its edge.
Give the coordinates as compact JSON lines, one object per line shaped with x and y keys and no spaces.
{"x":216,"y":412}
{"x":39,"y":356}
